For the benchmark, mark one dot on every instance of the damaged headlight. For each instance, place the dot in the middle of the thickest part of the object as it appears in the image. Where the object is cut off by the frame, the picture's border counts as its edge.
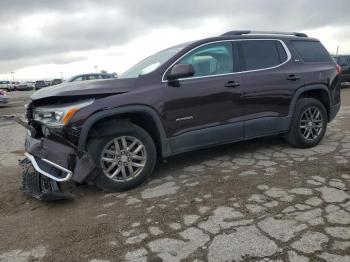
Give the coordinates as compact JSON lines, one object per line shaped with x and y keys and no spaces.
{"x":58,"y":116}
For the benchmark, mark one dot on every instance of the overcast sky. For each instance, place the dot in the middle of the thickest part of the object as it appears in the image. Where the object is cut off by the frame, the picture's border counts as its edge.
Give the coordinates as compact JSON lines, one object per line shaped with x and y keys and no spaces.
{"x":41,"y":38}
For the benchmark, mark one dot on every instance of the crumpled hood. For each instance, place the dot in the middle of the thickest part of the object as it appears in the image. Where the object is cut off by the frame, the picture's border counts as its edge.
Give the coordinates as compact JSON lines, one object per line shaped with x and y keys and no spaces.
{"x":96,"y":87}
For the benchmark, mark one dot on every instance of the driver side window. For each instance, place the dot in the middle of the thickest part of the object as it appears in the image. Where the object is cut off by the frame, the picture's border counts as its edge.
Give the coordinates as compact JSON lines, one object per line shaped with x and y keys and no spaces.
{"x":211,"y":59}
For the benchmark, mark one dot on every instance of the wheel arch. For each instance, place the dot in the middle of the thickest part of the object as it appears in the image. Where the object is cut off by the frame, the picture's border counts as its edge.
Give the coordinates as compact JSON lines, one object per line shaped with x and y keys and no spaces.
{"x":104,"y":123}
{"x":319,"y":92}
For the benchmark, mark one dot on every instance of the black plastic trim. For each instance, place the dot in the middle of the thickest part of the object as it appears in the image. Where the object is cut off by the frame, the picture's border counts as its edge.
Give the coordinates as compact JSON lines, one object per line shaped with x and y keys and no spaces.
{"x":207,"y":137}
{"x":229,"y":133}
{"x":304,"y":89}
{"x":333,"y":112}
{"x":266,"y":126}
{"x":165,"y":146}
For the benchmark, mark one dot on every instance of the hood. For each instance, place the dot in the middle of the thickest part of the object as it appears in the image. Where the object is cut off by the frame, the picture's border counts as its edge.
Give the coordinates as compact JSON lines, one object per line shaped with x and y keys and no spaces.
{"x":86,"y":88}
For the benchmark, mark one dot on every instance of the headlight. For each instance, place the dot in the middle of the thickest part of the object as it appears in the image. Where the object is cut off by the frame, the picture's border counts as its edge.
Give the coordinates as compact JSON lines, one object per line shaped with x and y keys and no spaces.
{"x":58,"y":116}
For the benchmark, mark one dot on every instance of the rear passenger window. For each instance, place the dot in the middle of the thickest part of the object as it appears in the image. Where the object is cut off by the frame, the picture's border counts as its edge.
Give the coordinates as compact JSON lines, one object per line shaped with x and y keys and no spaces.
{"x":261,"y":54}
{"x":312,"y":51}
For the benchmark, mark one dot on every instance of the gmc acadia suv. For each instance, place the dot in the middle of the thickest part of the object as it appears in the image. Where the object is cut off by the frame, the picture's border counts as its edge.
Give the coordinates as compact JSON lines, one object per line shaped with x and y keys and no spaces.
{"x":237,"y":86}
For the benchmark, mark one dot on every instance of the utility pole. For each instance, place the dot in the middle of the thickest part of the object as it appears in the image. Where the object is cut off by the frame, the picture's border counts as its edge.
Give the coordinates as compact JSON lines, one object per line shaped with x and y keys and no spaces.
{"x":13,"y":80}
{"x":61,"y":75}
{"x":337,"y":51}
{"x":96,"y":68}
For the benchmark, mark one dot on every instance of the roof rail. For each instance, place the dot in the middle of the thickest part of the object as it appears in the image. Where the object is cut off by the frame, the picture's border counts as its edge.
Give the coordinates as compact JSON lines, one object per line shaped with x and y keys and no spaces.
{"x":246,"y":32}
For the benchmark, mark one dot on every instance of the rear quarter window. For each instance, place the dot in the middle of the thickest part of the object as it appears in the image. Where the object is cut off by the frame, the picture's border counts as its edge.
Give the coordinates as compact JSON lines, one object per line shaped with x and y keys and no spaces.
{"x":311,"y":51}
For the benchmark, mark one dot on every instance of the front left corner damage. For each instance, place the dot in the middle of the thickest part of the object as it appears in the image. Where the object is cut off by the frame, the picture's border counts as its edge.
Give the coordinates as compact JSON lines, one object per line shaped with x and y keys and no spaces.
{"x":40,"y":186}
{"x":50,"y":165}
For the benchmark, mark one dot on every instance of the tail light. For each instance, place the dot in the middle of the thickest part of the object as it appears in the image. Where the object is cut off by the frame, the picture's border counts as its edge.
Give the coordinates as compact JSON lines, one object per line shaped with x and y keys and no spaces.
{"x":338,"y":67}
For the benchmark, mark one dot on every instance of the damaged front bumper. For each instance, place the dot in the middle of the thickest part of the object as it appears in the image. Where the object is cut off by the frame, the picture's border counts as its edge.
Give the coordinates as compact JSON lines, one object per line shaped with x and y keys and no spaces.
{"x":37,"y":162}
{"x":39,"y":186}
{"x":54,"y":162}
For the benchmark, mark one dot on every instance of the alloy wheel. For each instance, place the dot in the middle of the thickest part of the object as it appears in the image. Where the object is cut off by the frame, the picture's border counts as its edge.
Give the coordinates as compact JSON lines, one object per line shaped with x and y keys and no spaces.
{"x":123,"y":158}
{"x":311,"y":123}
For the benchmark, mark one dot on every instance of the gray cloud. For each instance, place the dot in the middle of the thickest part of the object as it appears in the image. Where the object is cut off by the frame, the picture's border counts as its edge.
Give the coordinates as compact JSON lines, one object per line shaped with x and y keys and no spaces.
{"x":87,"y":24}
{"x":34,"y":61}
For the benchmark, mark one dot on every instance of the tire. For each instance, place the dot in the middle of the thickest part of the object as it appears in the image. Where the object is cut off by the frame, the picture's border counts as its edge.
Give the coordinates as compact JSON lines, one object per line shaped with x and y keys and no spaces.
{"x":306,"y":131}
{"x":98,"y":147}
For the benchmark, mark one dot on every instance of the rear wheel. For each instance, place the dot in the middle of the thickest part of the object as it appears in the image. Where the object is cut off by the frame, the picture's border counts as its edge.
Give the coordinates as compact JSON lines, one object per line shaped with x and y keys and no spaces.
{"x":125,"y":159}
{"x":309,"y":123}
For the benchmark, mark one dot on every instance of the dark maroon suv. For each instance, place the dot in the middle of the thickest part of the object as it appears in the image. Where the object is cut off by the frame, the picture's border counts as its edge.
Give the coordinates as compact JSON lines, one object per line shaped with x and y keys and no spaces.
{"x":237,"y":86}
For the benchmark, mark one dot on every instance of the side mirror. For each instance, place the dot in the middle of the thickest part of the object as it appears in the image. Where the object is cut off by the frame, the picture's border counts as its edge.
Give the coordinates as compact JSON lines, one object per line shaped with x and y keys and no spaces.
{"x":180,"y":71}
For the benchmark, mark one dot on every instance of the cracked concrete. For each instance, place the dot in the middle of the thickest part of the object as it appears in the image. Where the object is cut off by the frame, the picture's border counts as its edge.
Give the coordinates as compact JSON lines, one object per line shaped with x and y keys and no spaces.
{"x":245,"y":242}
{"x":259,"y":200}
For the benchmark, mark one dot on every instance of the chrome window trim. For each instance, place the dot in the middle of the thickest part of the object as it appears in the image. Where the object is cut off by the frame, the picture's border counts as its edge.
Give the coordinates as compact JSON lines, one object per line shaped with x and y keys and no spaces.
{"x":286,"y":49}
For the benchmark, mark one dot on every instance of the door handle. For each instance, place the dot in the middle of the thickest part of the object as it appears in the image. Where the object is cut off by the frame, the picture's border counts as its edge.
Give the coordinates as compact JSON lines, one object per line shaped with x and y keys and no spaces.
{"x":232,"y":84}
{"x":293,"y":78}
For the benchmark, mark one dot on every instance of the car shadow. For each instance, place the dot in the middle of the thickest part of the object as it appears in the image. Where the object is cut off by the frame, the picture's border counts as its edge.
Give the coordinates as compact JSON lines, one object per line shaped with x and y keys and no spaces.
{"x":179,"y":162}
{"x":174,"y":165}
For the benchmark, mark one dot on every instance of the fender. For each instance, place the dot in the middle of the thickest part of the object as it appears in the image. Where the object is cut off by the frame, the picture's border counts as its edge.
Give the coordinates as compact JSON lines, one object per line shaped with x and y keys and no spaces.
{"x":304,"y":89}
{"x":165,"y":145}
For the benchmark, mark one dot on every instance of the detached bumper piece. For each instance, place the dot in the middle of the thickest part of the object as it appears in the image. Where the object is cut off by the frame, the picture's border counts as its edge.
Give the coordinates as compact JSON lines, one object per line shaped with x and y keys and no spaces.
{"x":59,"y":161}
{"x":40,"y":186}
{"x":50,"y":169}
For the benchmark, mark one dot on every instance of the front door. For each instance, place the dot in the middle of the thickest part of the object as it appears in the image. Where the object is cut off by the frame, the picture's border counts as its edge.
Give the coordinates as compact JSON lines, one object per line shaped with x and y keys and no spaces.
{"x":206,"y":109}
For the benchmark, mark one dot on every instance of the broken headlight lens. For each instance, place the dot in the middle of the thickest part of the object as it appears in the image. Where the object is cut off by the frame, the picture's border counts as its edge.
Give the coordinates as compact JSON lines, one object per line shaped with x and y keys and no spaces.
{"x":58,"y":116}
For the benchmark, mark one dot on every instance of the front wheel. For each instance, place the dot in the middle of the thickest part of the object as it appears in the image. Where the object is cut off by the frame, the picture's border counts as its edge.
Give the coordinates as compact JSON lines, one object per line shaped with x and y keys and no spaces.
{"x":309,"y":123}
{"x":125,"y":159}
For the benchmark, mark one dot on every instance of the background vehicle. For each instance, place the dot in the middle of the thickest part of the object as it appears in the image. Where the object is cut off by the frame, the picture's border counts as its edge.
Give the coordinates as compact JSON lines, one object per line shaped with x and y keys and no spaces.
{"x":344,"y":62}
{"x":3,"y":97}
{"x":56,"y":82}
{"x":15,"y":85}
{"x":40,"y":84}
{"x":6,"y":85}
{"x":31,"y":84}
{"x":26,"y":86}
{"x":86,"y":77}
{"x":237,"y":86}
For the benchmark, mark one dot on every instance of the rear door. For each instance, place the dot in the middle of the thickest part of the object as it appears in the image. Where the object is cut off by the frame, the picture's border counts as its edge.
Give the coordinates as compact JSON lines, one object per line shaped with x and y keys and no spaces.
{"x":270,"y":80}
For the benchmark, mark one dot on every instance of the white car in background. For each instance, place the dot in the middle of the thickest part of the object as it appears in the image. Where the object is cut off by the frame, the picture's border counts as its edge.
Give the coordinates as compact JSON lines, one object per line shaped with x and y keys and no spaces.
{"x":6,"y":85}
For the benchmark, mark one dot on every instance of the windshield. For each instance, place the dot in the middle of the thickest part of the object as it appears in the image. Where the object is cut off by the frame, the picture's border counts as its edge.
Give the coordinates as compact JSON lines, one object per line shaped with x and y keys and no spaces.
{"x":152,"y":62}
